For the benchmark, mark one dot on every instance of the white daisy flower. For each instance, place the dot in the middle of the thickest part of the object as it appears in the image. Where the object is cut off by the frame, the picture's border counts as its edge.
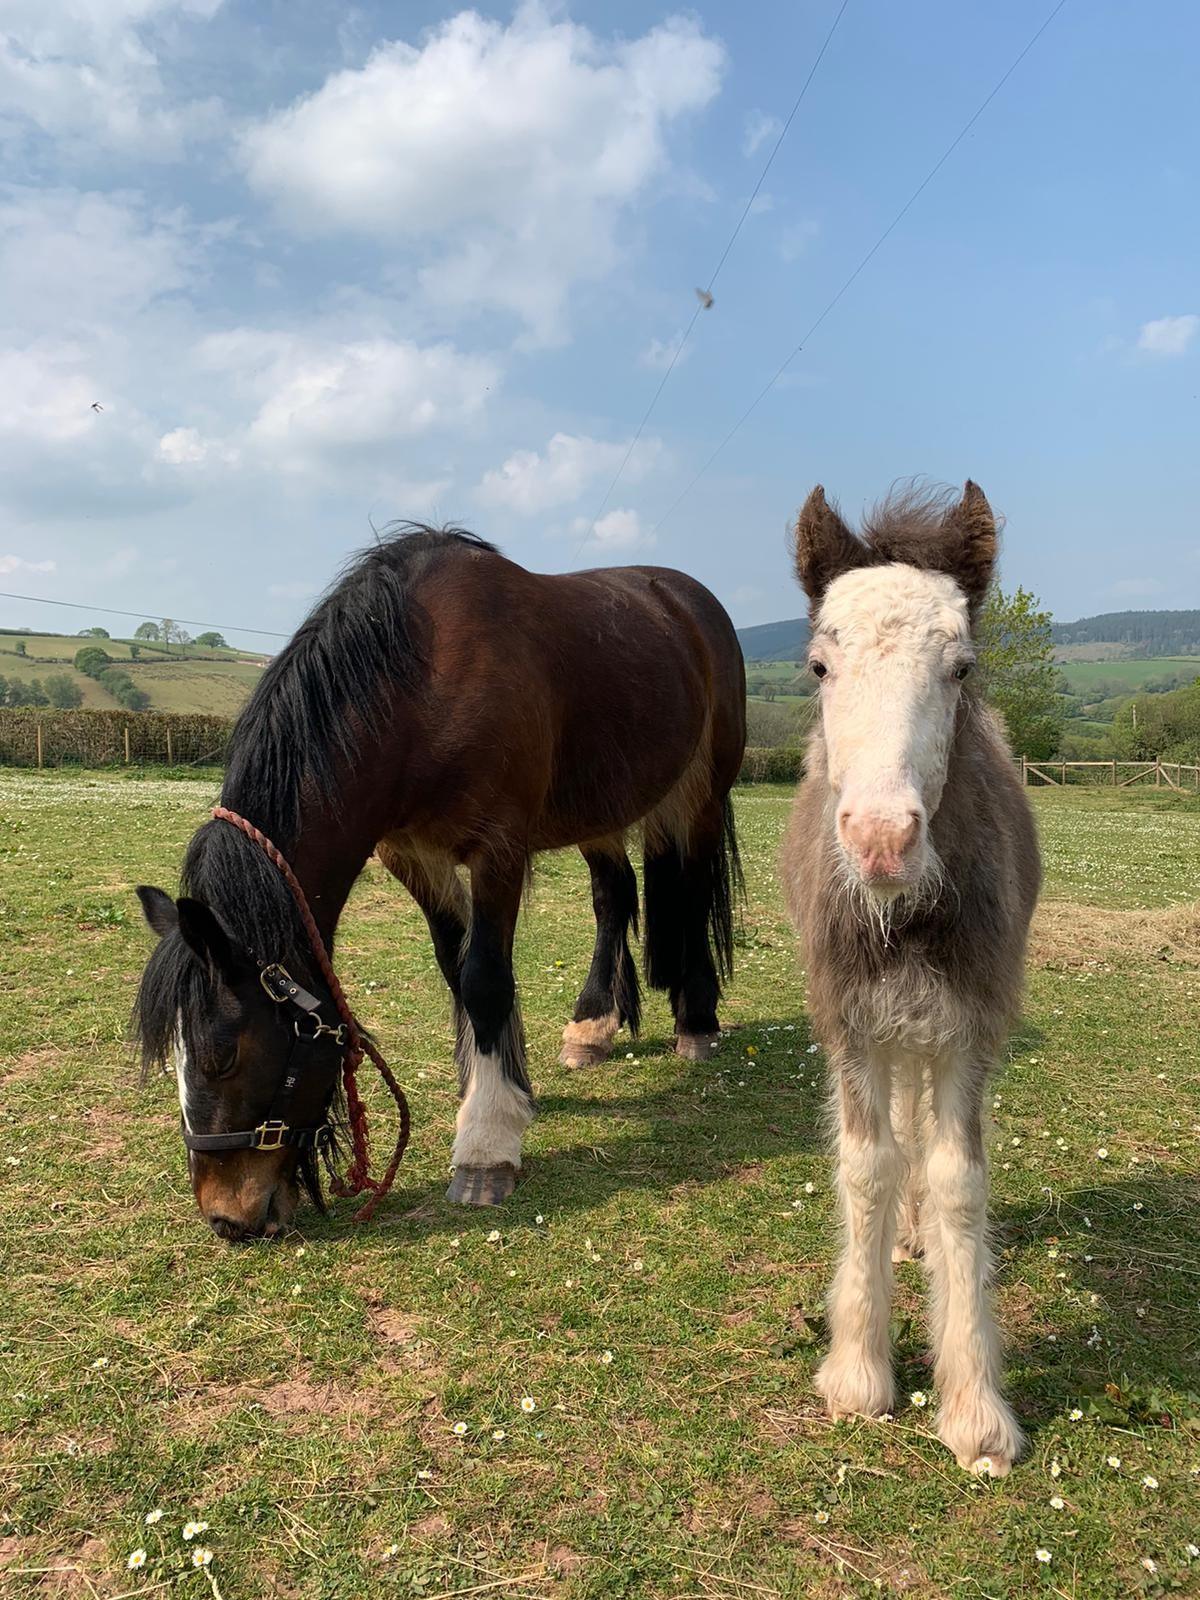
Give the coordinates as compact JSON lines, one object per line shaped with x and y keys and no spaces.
{"x":1149,"y":1481}
{"x":1114,"y":1462}
{"x":1043,"y":1556}
{"x":202,"y":1557}
{"x":1057,"y":1502}
{"x":1075,"y":1414}
{"x":153,"y":1516}
{"x":137,"y":1558}
{"x":821,"y":1517}
{"x":528,"y":1404}
{"x":192,"y":1529}
{"x":919,"y":1398}
{"x":459,"y":1428}
{"x":1150,"y":1564}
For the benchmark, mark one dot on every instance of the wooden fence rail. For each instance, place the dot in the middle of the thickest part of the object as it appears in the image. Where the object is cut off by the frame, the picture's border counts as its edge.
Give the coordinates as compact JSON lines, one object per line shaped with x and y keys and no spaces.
{"x":1172,"y":774}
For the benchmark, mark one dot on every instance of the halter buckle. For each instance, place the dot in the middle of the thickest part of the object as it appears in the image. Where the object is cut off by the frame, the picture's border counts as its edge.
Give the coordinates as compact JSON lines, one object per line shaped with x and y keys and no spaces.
{"x":271,"y":1135}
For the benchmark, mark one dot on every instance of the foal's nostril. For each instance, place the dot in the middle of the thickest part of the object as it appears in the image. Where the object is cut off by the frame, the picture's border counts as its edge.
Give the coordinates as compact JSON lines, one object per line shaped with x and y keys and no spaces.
{"x":227,"y":1228}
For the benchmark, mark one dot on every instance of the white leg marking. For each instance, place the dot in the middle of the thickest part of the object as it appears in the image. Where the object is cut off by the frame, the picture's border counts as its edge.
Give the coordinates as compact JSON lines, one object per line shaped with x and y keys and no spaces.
{"x":856,"y":1376}
{"x":974,"y":1420}
{"x":493,"y":1116}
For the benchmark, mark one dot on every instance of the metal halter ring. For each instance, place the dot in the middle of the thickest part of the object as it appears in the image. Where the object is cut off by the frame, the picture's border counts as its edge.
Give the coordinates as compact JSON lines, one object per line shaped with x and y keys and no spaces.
{"x":318,"y":1030}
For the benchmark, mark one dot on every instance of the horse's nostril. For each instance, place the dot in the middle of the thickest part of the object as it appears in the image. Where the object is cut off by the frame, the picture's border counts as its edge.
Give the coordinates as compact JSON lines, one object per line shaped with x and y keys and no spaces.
{"x":227,"y":1228}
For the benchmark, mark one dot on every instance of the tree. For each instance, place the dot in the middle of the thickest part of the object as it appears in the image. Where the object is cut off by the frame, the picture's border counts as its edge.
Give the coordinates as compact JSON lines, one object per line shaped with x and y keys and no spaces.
{"x":94,"y":633}
{"x":1017,"y":671}
{"x":63,"y":692}
{"x":92,"y":660}
{"x":211,"y":641}
{"x":3,"y":691}
{"x":147,"y":630}
{"x":19,"y":647}
{"x":171,"y":633}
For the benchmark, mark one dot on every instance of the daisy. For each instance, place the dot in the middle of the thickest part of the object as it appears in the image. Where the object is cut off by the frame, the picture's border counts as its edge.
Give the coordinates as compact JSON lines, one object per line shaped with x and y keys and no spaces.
{"x":201,"y":1557}
{"x":1150,"y":1564}
{"x":810,"y":1188}
{"x":1057,"y":1502}
{"x":494,"y":1236}
{"x":137,"y":1558}
{"x":606,"y":1358}
{"x":1102,"y":1154}
{"x":1055,"y":1468}
{"x":1149,"y":1481}
{"x":191,"y":1529}
{"x":1075,"y":1414}
{"x":1114,"y":1462}
{"x":153,"y":1516}
{"x":1043,"y":1556}
{"x":919,"y":1398}
{"x":528,"y":1404}
{"x":499,"y":1435}
{"x":459,"y":1428}
{"x":821,"y":1517}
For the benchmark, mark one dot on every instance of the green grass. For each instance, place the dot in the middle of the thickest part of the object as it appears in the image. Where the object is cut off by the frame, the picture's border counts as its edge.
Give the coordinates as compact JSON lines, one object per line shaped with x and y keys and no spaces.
{"x":301,"y":1398}
{"x":1083,"y":677}
{"x":214,"y":682}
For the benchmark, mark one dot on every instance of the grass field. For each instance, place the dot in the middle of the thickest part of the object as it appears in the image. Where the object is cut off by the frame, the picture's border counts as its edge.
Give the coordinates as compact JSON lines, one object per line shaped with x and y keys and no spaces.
{"x":214,"y":682}
{"x":1083,"y":677}
{"x":654,"y":1287}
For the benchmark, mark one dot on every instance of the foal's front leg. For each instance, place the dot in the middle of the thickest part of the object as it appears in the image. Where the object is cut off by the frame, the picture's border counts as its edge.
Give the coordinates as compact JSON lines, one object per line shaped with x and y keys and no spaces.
{"x":974,"y":1420}
{"x":497,"y":1105}
{"x":856,"y":1375}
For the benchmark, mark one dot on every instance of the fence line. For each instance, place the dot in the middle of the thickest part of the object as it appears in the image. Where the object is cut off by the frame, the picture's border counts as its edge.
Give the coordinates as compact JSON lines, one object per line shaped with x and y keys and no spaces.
{"x":1172,"y":774}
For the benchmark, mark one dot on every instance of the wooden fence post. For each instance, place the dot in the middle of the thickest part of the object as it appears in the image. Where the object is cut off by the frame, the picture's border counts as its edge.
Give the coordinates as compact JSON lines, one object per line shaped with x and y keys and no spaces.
{"x":1114,"y":773}
{"x":1024,"y":772}
{"x":39,"y":744}
{"x":126,"y":744}
{"x":170,"y":754}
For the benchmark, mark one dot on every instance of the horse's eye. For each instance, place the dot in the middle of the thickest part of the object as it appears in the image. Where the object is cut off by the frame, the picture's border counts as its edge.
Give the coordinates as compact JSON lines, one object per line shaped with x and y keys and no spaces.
{"x":962,"y":670}
{"x":818,"y":668}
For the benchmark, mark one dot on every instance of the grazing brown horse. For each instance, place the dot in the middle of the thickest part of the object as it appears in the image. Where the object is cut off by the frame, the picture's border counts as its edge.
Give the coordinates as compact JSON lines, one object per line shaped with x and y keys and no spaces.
{"x":456,"y":714}
{"x":911,"y":870}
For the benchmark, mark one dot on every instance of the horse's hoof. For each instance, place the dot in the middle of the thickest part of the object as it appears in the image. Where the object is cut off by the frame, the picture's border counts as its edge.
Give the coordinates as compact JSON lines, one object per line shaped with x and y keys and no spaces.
{"x":904,"y":1251}
{"x":576,"y":1054}
{"x":482,"y":1186}
{"x":697,"y":1046}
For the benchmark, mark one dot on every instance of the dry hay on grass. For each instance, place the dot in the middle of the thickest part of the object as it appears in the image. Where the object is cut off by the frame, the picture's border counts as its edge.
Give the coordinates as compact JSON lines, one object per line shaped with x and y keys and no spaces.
{"x":1067,"y":935}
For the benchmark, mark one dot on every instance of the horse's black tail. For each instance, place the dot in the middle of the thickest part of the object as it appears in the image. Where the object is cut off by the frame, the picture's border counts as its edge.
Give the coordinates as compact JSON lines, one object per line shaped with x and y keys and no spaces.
{"x":692,"y":897}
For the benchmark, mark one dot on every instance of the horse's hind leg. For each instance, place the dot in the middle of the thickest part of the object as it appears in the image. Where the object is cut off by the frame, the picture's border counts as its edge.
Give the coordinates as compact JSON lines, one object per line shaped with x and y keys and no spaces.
{"x":689,"y":927}
{"x":496,"y":1105}
{"x":610,"y":997}
{"x":974,"y":1420}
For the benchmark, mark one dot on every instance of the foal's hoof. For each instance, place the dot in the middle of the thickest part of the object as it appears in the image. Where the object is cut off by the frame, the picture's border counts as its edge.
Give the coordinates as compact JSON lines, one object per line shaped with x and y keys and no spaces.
{"x":482,"y":1186}
{"x":697,"y":1046}
{"x":906,"y":1250}
{"x":574,"y":1053}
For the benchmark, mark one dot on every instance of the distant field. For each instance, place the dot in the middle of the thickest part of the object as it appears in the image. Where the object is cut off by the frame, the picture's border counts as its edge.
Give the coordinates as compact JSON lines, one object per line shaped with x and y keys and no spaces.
{"x":1083,"y":676}
{"x":215,"y":682}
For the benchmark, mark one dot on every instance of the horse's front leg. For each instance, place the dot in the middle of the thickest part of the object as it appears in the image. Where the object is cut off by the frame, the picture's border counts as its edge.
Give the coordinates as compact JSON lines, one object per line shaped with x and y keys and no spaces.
{"x":856,"y":1376}
{"x":496,"y":1102}
{"x":974,"y":1420}
{"x":610,"y":997}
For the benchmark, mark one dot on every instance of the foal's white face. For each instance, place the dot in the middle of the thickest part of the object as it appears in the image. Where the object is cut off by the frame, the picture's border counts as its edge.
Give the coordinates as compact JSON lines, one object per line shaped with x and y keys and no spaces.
{"x":891,"y":646}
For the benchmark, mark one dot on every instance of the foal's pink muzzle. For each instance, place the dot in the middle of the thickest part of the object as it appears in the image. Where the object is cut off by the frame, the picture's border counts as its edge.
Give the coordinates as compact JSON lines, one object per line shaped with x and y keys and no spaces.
{"x":881,"y":844}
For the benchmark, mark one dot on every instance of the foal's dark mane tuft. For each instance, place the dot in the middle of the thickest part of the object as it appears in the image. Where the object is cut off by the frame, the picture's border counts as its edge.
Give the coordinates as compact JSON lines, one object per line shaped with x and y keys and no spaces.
{"x":909,"y":525}
{"x":326,"y":689}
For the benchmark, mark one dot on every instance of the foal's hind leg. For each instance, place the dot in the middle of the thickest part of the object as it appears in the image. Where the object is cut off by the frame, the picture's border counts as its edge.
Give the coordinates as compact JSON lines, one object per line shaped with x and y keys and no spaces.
{"x":856,"y":1376}
{"x":610,"y":997}
{"x":974,"y":1420}
{"x":497,"y":1105}
{"x":688,"y":926}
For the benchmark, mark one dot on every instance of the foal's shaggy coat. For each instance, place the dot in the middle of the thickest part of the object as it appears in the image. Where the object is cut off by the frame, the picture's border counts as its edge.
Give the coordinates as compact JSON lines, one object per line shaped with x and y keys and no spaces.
{"x":911,"y":870}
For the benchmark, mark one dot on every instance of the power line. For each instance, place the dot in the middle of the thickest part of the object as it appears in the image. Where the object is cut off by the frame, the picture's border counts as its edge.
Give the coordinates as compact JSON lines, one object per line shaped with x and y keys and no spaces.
{"x":705,"y":302}
{"x":111,"y":611}
{"x":882,"y":239}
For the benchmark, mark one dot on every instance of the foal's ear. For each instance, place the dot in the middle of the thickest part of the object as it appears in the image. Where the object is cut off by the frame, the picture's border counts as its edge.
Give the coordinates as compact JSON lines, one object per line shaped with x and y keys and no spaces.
{"x":158,"y":908}
{"x":825,"y":547}
{"x":971,"y":541}
{"x":205,"y":937}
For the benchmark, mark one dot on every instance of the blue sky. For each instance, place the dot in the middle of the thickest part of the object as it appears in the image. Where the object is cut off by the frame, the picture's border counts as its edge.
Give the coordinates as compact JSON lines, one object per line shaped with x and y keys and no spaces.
{"x":326,"y":265}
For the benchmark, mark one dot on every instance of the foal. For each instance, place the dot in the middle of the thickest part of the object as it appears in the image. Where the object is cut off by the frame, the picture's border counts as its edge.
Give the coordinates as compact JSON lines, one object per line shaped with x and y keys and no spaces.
{"x":911,"y":871}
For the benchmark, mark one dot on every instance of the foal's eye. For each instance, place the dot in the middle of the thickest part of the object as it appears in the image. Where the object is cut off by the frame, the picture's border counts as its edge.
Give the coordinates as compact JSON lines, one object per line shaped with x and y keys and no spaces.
{"x":963,"y":669}
{"x":818,"y":668}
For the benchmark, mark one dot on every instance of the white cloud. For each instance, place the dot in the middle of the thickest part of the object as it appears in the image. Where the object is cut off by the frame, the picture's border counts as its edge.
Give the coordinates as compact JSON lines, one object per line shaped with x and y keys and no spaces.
{"x":1168,"y":336}
{"x":12,"y":564}
{"x":532,"y":482}
{"x":502,"y":156}
{"x":760,"y":126}
{"x":188,"y":447}
{"x":87,"y":71}
{"x":620,"y":529}
{"x":659,"y":353}
{"x":315,"y":393}
{"x":796,"y":238}
{"x":45,"y":396}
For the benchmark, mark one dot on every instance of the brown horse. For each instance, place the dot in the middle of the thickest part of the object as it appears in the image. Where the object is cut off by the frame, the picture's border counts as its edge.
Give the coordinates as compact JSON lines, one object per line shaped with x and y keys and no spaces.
{"x":911,"y":869}
{"x":456,"y":714}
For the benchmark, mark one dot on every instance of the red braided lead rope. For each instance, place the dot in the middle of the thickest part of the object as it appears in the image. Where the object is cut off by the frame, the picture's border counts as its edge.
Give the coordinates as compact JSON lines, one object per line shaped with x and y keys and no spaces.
{"x":358,"y":1176}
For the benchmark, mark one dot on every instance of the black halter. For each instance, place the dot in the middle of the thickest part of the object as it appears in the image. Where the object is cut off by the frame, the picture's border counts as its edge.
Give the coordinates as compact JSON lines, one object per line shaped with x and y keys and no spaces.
{"x":274,"y":1132}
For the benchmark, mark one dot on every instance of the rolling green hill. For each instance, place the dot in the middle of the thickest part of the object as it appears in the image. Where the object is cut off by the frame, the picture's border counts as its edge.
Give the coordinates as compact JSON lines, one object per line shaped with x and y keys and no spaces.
{"x":216,"y":682}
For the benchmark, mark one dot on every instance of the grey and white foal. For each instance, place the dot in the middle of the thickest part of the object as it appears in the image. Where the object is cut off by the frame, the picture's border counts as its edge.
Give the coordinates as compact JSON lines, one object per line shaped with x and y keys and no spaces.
{"x":911,"y":871}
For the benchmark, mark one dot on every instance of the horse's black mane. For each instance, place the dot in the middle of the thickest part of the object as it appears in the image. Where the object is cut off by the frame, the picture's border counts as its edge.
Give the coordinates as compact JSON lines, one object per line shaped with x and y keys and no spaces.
{"x":320,"y":697}
{"x":324,"y":691}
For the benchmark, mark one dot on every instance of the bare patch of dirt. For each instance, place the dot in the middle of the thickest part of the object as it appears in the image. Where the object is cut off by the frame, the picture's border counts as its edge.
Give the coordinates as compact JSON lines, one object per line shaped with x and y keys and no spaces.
{"x":563,"y":1561}
{"x":1071,"y":936}
{"x":431,"y":1528}
{"x":32,"y":1064}
{"x":298,"y":1401}
{"x":298,"y":1397}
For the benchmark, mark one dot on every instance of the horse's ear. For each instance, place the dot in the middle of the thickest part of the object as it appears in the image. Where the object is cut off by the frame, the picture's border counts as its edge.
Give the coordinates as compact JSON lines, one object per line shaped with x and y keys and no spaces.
{"x":970,"y":531}
{"x":824,"y":546}
{"x":158,"y":908}
{"x":205,"y":937}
